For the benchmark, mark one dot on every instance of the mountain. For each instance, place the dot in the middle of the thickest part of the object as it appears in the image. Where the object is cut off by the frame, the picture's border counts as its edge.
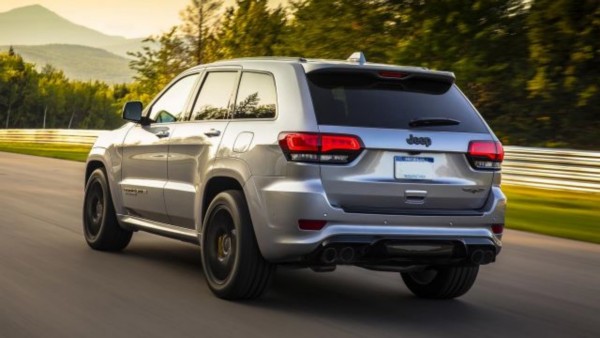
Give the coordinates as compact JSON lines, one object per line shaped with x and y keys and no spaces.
{"x":78,"y":62}
{"x":37,"y":25}
{"x":130,"y":45}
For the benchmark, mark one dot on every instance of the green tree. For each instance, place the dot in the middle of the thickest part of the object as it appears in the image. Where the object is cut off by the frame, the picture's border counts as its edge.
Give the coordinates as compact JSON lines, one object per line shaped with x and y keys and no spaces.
{"x":336,"y":29}
{"x":564,"y":48}
{"x":250,"y":29}
{"x":161,"y":59}
{"x":18,"y":81}
{"x":29,"y":98}
{"x":198,"y":21}
{"x":183,"y":46}
{"x":52,"y":86}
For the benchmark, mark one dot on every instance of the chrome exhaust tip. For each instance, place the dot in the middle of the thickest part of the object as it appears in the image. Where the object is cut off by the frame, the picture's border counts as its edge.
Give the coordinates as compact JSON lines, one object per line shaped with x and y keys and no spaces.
{"x":477,"y":256}
{"x":347,"y":255}
{"x":329,"y":255}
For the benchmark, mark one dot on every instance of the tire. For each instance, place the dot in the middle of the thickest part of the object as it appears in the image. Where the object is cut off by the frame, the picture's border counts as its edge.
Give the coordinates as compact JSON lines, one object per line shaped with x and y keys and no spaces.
{"x":441,"y":282}
{"x":100,"y":226}
{"x":233,"y":265}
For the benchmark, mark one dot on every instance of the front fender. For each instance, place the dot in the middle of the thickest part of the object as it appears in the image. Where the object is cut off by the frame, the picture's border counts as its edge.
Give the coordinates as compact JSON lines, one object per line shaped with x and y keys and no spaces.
{"x":111,"y":161}
{"x":108,"y":151}
{"x":113,"y":172}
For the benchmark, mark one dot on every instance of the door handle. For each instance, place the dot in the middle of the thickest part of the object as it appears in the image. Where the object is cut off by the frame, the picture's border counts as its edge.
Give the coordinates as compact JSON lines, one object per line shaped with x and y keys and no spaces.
{"x":162,"y":134}
{"x":212,"y":133}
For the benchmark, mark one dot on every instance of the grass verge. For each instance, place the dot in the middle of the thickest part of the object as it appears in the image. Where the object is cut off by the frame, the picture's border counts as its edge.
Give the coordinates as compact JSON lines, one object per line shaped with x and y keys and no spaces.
{"x":573,"y":215}
{"x":61,"y":151}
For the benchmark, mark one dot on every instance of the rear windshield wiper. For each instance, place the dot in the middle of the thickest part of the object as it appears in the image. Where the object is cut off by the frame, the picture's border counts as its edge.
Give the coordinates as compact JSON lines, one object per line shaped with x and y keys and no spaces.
{"x":436,"y":121}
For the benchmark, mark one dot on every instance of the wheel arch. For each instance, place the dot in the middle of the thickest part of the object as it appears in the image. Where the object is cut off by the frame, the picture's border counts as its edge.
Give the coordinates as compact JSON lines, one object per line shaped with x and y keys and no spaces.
{"x":101,"y":158}
{"x":91,"y":166}
{"x":213,"y":187}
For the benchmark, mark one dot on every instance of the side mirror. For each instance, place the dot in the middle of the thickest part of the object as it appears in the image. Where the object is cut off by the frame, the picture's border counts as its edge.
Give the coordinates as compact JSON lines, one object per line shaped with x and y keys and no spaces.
{"x":132,"y":111}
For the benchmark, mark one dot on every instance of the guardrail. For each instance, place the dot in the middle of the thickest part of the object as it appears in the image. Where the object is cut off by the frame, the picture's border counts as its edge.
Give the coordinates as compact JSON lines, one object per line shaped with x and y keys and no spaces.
{"x":557,"y":169}
{"x":65,"y":136}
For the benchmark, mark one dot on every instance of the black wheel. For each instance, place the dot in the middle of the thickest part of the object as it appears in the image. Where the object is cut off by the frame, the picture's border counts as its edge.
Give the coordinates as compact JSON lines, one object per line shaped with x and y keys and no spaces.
{"x":441,"y":282}
{"x":100,"y":226}
{"x":233,"y":265}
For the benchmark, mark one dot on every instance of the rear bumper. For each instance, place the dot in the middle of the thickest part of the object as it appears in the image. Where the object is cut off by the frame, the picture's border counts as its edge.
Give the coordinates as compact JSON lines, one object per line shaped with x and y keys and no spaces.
{"x":276,"y":204}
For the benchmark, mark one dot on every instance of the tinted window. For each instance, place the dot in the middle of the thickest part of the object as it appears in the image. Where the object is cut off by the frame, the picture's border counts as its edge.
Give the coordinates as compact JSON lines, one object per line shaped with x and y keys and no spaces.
{"x":256,"y":97}
{"x":365,"y":100}
{"x":170,"y":106}
{"x":213,"y":100}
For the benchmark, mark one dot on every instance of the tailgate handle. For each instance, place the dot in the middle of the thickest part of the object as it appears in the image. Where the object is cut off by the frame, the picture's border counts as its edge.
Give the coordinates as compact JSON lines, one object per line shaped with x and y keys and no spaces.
{"x":415,"y":196}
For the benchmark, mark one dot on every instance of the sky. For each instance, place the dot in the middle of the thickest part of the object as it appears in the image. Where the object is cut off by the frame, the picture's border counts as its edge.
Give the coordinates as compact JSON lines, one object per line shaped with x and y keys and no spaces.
{"x":128,"y":18}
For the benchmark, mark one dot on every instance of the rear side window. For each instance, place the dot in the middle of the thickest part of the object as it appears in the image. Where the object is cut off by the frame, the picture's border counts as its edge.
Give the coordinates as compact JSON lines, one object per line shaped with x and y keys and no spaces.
{"x":213,"y":101}
{"x":365,"y":100}
{"x":256,"y":97}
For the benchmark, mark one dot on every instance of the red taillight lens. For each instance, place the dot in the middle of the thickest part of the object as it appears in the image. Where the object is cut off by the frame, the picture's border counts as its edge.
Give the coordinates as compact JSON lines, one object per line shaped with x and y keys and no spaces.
{"x":485,"y":154}
{"x":321,"y":148}
{"x":310,"y":224}
{"x":339,"y":142}
{"x":487,"y":149}
{"x":300,"y":142}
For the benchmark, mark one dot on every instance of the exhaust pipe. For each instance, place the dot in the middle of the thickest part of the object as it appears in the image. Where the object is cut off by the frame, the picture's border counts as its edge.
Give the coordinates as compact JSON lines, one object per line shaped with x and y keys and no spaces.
{"x":329,"y":255}
{"x":488,"y":257}
{"x":477,"y":256}
{"x":347,"y":255}
{"x":481,"y":257}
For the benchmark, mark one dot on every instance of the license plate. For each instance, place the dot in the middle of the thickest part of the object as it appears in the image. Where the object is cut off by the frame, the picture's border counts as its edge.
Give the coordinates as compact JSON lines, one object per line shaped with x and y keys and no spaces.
{"x":413,"y":167}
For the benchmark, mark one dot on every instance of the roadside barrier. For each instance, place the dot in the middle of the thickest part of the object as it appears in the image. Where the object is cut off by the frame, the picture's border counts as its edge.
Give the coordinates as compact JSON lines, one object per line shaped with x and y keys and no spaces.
{"x":65,"y":136}
{"x":557,"y":169}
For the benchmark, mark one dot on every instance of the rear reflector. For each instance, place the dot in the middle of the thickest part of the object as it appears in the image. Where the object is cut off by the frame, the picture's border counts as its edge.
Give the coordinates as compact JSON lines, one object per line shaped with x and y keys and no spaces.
{"x":498,"y":229}
{"x":320,"y":148}
{"x":485,"y":154}
{"x":309,"y":224}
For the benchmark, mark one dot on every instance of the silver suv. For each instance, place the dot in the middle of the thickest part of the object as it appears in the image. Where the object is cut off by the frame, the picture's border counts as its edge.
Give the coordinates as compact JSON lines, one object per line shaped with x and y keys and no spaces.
{"x":306,"y":163}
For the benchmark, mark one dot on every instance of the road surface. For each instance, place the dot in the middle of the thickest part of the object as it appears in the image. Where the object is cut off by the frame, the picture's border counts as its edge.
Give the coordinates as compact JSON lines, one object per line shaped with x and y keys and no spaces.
{"x":53,"y":285}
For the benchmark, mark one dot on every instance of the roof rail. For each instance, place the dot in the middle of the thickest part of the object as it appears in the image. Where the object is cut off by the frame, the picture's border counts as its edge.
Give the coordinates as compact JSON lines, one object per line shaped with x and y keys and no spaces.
{"x":269,"y":58}
{"x":357,"y":57}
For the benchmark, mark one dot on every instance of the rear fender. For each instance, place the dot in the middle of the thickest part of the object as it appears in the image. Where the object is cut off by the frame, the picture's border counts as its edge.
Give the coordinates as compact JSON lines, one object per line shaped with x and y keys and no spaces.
{"x":233,"y":168}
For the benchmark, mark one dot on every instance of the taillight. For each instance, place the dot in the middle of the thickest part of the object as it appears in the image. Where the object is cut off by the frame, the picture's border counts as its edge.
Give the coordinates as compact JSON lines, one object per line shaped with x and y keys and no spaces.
{"x":485,"y":154}
{"x":320,"y":148}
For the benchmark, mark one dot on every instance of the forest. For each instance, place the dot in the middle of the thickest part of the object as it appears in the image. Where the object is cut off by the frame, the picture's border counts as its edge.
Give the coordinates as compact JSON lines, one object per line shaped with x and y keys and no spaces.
{"x":531,"y":67}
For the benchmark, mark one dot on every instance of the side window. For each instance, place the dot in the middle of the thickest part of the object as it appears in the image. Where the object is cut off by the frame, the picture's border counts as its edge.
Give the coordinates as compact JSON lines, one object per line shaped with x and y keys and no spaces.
{"x":213,"y":100}
{"x":256,"y":97}
{"x":169,"y":107}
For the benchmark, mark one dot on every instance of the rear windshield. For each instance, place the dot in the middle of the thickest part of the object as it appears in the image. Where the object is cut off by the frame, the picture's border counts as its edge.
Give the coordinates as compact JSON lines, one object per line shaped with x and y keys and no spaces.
{"x":365,"y":100}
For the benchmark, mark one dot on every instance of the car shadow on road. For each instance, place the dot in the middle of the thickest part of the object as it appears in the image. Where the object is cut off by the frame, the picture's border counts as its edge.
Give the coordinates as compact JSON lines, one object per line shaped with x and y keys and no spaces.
{"x":360,"y":296}
{"x":177,"y":256}
{"x":354,"y":295}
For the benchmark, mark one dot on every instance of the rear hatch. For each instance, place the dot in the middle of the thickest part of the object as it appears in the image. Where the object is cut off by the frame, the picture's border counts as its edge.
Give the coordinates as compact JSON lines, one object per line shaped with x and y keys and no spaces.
{"x":416,"y":130}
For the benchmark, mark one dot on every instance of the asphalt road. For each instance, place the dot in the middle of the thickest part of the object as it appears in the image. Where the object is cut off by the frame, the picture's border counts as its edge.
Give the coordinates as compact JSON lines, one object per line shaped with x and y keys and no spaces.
{"x":53,"y":285}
